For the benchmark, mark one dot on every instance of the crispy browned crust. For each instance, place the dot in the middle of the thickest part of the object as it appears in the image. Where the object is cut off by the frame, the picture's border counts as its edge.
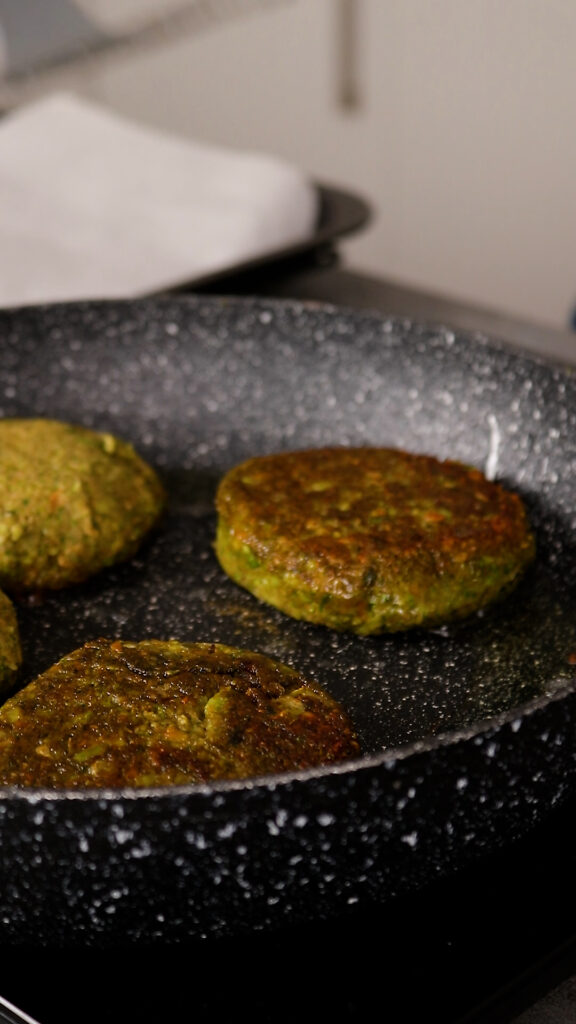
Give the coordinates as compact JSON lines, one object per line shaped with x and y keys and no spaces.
{"x":72,"y":501}
{"x":154,"y":713}
{"x":370,"y":539}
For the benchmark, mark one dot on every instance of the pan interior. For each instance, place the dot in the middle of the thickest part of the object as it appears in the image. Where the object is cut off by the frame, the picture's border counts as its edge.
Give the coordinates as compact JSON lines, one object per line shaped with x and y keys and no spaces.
{"x":199,"y":384}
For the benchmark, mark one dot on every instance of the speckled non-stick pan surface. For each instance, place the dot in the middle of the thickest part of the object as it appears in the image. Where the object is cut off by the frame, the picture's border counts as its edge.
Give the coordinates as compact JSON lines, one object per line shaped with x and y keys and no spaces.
{"x":468,"y":732}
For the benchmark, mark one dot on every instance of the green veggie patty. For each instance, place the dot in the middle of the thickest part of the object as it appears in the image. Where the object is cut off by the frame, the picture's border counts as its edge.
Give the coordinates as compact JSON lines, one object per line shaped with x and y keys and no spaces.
{"x":153,"y":713}
{"x":10,"y":650}
{"x":370,"y":540}
{"x":72,"y":501}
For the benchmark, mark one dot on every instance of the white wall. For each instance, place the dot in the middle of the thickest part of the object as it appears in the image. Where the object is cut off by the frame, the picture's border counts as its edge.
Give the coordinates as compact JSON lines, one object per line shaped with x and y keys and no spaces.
{"x":464,"y":141}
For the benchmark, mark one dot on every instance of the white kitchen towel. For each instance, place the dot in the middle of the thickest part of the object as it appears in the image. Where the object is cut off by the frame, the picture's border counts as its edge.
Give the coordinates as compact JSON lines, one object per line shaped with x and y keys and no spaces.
{"x":93,"y":205}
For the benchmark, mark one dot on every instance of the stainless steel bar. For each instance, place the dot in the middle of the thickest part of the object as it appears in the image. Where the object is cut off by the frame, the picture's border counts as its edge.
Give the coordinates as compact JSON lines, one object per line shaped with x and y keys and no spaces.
{"x":10,"y":1014}
{"x":348,"y":64}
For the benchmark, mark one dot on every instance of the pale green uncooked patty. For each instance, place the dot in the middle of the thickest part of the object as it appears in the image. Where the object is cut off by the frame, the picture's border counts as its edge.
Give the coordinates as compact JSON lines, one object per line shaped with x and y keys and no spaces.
{"x":72,"y":501}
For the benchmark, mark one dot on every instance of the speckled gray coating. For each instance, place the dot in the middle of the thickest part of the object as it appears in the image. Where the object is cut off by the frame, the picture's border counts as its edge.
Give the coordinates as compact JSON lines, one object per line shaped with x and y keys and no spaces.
{"x":468,"y":732}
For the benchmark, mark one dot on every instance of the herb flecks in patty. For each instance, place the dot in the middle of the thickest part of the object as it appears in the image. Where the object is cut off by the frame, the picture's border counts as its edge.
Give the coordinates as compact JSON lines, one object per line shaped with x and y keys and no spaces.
{"x":72,"y":501}
{"x":370,"y":540}
{"x":154,"y":713}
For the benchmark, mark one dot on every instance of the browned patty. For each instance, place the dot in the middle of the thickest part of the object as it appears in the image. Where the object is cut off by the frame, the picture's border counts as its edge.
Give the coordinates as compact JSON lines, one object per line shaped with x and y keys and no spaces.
{"x":370,"y":539}
{"x":154,"y":713}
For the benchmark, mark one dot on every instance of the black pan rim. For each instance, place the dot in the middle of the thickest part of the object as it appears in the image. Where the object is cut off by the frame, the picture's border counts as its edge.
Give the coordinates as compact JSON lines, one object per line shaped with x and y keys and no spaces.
{"x":253,"y":300}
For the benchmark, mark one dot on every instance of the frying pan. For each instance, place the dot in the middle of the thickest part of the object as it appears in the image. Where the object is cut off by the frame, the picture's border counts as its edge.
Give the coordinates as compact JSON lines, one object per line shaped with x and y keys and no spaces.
{"x":467,"y":732}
